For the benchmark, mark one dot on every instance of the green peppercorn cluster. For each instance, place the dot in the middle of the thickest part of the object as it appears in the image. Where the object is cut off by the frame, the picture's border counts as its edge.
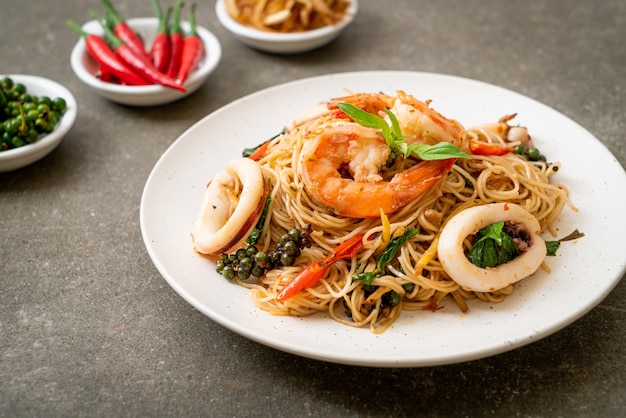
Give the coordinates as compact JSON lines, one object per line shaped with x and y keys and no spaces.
{"x":246,"y":262}
{"x":530,"y":154}
{"x":24,"y":117}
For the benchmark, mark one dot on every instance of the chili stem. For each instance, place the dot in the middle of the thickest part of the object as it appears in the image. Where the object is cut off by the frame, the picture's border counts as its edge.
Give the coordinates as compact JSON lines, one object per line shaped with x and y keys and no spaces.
{"x":122,"y":30}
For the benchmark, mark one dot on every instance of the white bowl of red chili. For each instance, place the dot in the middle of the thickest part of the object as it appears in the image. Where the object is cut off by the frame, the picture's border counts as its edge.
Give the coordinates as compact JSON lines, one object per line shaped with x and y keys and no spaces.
{"x":88,"y":69}
{"x":263,"y":33}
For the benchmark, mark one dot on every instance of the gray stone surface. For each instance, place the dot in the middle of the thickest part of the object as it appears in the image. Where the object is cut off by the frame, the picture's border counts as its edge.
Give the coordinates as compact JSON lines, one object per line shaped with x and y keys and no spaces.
{"x":89,"y":328}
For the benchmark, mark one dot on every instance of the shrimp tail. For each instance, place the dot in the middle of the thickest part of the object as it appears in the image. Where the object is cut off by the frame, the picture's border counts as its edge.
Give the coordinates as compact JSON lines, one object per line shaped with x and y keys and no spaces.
{"x":413,"y":183}
{"x":369,"y":102}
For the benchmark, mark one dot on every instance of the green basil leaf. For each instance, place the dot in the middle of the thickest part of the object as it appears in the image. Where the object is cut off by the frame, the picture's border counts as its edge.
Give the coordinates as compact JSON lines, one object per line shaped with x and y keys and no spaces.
{"x":490,"y":255}
{"x":395,"y":126}
{"x":367,"y":278}
{"x":255,"y":235}
{"x":493,"y":231}
{"x":507,"y":249}
{"x":249,"y":151}
{"x":386,"y":256}
{"x":408,"y":287}
{"x":572,"y":236}
{"x":477,"y":254}
{"x":391,"y":298}
{"x":493,"y":247}
{"x":551,"y":247}
{"x":392,"y":248}
{"x":363,"y":118}
{"x":439,"y":151}
{"x":395,"y":140}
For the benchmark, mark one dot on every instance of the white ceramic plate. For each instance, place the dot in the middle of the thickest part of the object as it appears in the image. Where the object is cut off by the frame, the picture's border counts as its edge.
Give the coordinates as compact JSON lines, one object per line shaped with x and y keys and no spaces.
{"x":15,"y":158}
{"x":583,"y":273}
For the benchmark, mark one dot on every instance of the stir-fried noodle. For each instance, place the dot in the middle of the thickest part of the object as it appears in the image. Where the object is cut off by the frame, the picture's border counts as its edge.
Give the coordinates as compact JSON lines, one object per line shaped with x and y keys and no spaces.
{"x":417,"y":276}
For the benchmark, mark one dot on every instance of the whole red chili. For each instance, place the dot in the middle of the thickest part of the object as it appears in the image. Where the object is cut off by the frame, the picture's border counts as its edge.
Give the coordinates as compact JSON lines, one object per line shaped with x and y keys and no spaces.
{"x":161,"y":48}
{"x":193,"y":49}
{"x":138,"y":62}
{"x":110,"y":65}
{"x":107,"y":76}
{"x":314,"y":271}
{"x":177,"y":40}
{"x":123,"y":31}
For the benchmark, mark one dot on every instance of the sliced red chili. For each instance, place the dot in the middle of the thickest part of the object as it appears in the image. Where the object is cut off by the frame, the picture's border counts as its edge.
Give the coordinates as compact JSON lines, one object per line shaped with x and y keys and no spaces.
{"x":481,"y":148}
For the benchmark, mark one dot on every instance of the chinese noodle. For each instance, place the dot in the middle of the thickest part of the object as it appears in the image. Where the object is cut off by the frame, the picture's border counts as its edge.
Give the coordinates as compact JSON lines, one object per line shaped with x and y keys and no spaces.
{"x":478,"y":180}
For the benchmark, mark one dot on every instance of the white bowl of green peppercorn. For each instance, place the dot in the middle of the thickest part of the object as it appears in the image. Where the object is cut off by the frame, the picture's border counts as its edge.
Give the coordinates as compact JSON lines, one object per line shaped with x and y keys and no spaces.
{"x":22,"y":144}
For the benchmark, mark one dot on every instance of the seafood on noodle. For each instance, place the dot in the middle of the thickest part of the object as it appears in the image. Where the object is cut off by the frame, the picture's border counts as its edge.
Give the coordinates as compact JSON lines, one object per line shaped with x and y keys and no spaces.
{"x":507,"y":132}
{"x":388,"y":201}
{"x":418,"y":122}
{"x":341,"y":160}
{"x":364,"y":193}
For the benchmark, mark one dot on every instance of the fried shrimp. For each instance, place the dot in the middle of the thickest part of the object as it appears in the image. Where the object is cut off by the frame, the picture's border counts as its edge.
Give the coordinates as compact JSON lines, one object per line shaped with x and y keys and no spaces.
{"x":340,"y":168}
{"x":341,"y":163}
{"x":374,"y":103}
{"x":422,"y":124}
{"x":506,"y":132}
{"x":393,"y":206}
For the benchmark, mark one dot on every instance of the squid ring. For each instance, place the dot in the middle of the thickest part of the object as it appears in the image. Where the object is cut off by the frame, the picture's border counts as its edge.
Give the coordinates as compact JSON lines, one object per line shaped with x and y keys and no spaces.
{"x":225,"y":220}
{"x":471,"y":277}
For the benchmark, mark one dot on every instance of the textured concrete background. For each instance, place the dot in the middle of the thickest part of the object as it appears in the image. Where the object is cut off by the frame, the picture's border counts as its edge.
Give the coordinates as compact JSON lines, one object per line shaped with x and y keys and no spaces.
{"x":88,"y":327}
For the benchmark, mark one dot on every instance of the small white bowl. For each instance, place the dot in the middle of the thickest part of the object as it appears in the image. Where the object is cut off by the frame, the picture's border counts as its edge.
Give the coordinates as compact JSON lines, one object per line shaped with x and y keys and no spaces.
{"x":284,"y":43}
{"x":86,"y":68}
{"x":15,"y":158}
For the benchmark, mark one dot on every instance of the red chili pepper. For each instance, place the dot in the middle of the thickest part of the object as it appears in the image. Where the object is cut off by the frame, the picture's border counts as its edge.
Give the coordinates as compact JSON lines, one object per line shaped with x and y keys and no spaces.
{"x":109,"y":62}
{"x":122,"y":30}
{"x":138,"y":62}
{"x":480,"y":148}
{"x":260,"y":151}
{"x":314,"y":271}
{"x":161,"y":48}
{"x":177,"y":40}
{"x":107,"y":76}
{"x":193,"y":49}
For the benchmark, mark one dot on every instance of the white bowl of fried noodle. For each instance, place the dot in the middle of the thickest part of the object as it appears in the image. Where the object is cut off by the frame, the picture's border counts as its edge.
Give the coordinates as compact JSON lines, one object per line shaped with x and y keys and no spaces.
{"x":286,"y":26}
{"x":86,"y":68}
